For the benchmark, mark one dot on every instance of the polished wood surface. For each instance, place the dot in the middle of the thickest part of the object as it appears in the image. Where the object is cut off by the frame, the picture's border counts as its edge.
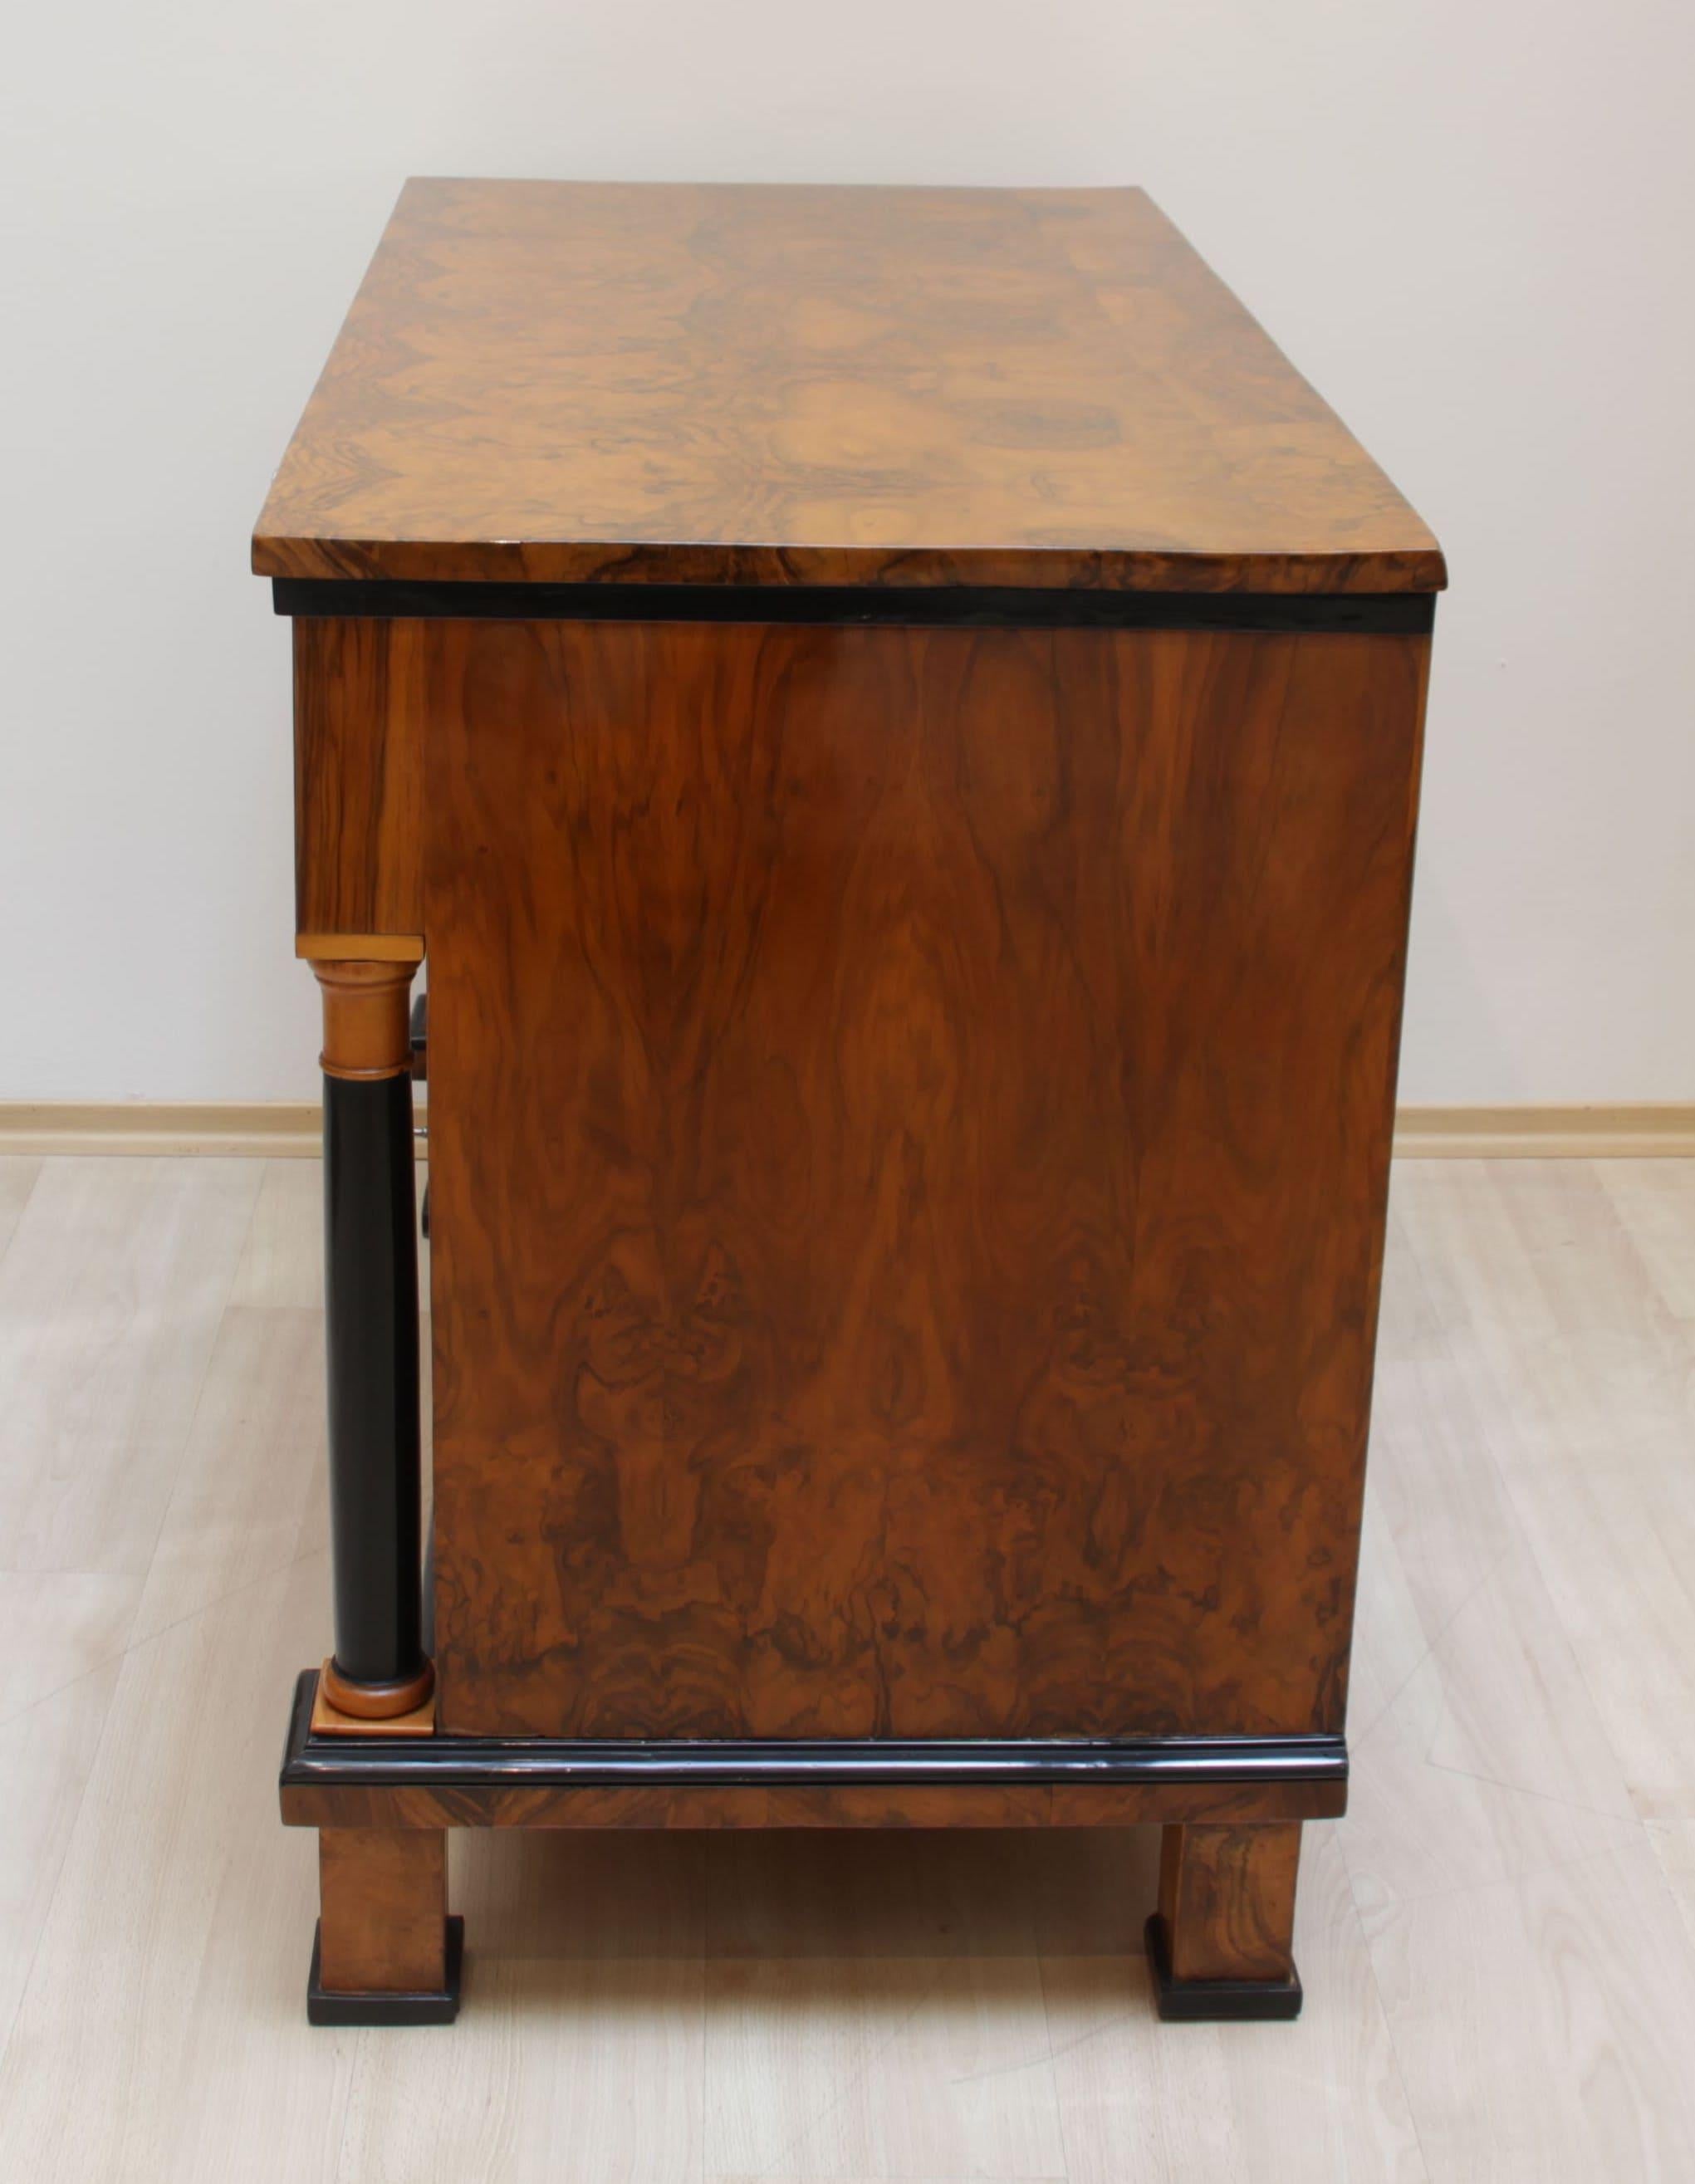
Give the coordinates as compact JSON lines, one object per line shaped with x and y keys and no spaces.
{"x":360,"y":947}
{"x":383,"y":1909}
{"x":606,"y":382}
{"x":910,"y":1125}
{"x":358,"y":783}
{"x":858,"y":1805}
{"x":1227,"y":1901}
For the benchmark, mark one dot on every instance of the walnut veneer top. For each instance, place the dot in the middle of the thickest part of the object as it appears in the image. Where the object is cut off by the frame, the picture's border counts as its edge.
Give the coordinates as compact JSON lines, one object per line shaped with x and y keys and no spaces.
{"x":572,"y":382}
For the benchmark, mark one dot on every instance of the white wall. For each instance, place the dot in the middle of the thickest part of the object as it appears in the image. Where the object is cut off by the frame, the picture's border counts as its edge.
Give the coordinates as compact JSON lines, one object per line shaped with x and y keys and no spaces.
{"x":1472,"y":224}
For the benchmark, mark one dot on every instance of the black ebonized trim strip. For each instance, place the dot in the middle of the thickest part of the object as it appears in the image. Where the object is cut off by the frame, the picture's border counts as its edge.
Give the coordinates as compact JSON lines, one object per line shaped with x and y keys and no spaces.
{"x":464,"y":1763}
{"x":941,"y":605}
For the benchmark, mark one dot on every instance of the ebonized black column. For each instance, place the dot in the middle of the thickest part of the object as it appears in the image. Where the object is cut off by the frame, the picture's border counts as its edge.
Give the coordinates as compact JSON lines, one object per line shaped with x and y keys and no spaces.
{"x":371,"y":1279}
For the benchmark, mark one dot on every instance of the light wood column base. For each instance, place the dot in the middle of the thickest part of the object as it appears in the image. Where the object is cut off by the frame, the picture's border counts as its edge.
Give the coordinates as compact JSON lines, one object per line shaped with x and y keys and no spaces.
{"x":328,"y":1719}
{"x":402,"y":1700}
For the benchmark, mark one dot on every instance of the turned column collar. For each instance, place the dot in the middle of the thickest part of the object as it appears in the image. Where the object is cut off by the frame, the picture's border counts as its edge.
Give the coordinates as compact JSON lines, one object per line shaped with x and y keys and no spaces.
{"x":366,"y":1033}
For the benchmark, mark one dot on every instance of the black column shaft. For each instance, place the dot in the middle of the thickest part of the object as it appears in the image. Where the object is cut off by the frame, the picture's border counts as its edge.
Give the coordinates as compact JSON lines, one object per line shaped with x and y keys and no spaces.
{"x":370,"y":1272}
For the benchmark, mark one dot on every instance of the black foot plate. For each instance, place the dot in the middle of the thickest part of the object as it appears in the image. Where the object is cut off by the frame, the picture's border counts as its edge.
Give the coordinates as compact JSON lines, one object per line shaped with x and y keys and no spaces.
{"x":439,"y":2007}
{"x":1214,"y":2002}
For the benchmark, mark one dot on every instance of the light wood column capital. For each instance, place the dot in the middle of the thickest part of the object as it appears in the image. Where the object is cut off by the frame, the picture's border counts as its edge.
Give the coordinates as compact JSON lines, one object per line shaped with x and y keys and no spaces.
{"x":366,"y":1011}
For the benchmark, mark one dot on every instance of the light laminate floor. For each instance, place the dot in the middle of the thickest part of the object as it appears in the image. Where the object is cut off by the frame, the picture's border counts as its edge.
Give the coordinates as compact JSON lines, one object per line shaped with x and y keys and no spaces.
{"x":1498,"y":1942}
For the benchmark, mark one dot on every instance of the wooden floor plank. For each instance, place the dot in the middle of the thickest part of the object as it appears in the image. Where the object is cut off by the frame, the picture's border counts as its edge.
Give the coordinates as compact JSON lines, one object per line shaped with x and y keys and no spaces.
{"x":1321,"y":2098}
{"x":821,"y":1895}
{"x":46,"y":1752}
{"x":879,"y":2067}
{"x":1498,"y":1943}
{"x":1581,"y":1378}
{"x":574,"y":1894}
{"x":1673,"y":1839}
{"x":162,"y":2031}
{"x":251,"y":1492}
{"x":282,"y":1258}
{"x":1516,"y":1907}
{"x":111,"y":1292}
{"x":1654,"y":1203}
{"x":18,"y":1175}
{"x":1542,"y":2024}
{"x":589,"y":2067}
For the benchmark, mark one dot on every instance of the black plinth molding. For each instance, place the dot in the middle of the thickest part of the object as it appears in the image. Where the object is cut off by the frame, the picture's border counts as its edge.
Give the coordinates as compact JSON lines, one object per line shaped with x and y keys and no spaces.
{"x":1214,"y":2002}
{"x":330,"y":2006}
{"x":446,"y":1762}
{"x":371,"y":1272}
{"x":971,"y":606}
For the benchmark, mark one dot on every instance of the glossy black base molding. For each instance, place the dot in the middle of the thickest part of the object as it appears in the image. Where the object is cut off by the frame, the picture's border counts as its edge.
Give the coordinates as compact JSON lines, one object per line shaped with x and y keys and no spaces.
{"x":1214,"y":2002}
{"x":448,"y":1761}
{"x":324,"y":2007}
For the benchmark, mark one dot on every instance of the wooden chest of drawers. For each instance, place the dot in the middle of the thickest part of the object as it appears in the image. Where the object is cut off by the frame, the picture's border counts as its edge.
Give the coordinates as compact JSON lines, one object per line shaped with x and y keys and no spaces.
{"x":893,"y":717}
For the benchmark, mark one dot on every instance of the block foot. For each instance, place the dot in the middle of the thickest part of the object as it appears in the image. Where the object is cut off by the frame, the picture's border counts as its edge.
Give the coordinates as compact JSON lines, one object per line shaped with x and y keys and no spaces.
{"x":1215,"y":2001}
{"x":429,"y":2006}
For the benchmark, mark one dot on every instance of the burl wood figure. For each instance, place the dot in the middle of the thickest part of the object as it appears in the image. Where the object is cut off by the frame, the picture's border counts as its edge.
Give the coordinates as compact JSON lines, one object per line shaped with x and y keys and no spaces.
{"x":894,"y":716}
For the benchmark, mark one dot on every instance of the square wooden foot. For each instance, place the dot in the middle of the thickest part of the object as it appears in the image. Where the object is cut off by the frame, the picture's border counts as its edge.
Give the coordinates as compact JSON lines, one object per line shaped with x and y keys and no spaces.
{"x":386,"y":1951}
{"x":429,"y":2006}
{"x":1219,"y":1947}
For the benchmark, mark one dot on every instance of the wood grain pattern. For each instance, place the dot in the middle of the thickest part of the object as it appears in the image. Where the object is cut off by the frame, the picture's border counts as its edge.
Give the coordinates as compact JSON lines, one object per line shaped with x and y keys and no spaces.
{"x":587,"y":382}
{"x":383,"y":1897}
{"x":1227,"y":1899}
{"x":910,"y":1126}
{"x":358,"y":782}
{"x":367,"y":1011}
{"x":930,"y":1805}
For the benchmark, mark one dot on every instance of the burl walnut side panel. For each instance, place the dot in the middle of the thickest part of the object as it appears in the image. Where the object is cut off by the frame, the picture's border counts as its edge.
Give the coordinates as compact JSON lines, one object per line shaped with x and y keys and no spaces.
{"x":909,"y":1126}
{"x":357,"y":776}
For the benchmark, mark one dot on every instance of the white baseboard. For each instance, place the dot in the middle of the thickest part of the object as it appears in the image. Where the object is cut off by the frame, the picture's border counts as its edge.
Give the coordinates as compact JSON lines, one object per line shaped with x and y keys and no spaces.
{"x":277,"y":1129}
{"x":1664,"y":1131}
{"x":285,"y":1129}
